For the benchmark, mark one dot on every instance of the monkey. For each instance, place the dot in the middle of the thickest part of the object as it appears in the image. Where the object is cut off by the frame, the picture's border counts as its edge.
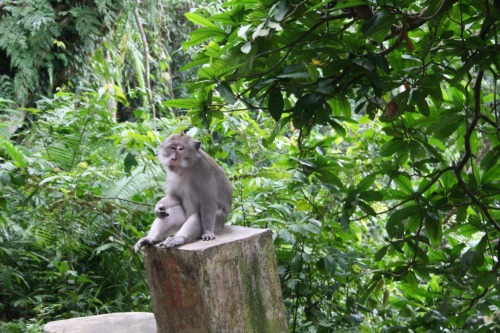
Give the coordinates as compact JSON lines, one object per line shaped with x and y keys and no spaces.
{"x":170,"y":217}
{"x":201,"y":186}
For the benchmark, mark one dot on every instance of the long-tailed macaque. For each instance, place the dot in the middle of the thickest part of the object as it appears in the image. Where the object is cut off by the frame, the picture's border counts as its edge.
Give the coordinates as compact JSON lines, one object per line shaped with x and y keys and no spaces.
{"x":170,"y":219}
{"x":196,"y":181}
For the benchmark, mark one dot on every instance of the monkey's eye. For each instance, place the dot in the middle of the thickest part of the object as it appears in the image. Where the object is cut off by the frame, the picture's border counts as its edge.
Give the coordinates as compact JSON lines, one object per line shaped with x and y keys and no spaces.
{"x":180,"y":148}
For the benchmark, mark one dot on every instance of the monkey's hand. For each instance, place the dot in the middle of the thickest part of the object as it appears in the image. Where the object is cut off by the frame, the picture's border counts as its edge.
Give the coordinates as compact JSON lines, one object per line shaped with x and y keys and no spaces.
{"x":161,"y":211}
{"x":172,"y":242}
{"x":208,"y":235}
{"x":142,"y":242}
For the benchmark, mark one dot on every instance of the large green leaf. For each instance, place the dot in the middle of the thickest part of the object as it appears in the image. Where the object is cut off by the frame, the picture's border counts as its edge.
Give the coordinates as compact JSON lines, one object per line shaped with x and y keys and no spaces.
{"x":226,"y":92}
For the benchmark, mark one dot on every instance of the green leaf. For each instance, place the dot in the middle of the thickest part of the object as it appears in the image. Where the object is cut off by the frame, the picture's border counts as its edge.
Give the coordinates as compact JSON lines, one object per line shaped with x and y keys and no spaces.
{"x":130,"y":161}
{"x":366,"y":208}
{"x":471,"y":259}
{"x":365,"y":183}
{"x":7,"y":279}
{"x":226,"y":92}
{"x":313,"y":72}
{"x":380,"y":21}
{"x":298,"y":75}
{"x":351,"y":3}
{"x":330,"y":265}
{"x":491,"y":159}
{"x":371,"y":196}
{"x":200,"y":20}
{"x":446,"y":125}
{"x":232,"y":17}
{"x":187,"y":103}
{"x":419,"y":98}
{"x":395,"y":145}
{"x":328,"y":177}
{"x":203,"y":34}
{"x":275,"y":103}
{"x":395,"y":226}
{"x":434,"y":229}
{"x":344,"y":220}
{"x":340,"y":106}
{"x":195,"y":63}
{"x":381,"y":253}
{"x":404,"y":183}
{"x":337,"y":127}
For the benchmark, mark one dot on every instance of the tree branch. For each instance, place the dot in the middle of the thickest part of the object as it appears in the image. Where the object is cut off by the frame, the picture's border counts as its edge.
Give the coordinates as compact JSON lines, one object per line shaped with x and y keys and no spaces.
{"x":468,"y":152}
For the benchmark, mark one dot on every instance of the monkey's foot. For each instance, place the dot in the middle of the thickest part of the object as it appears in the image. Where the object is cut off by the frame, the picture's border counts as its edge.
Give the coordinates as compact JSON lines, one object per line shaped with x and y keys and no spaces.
{"x":172,"y":241}
{"x":208,"y":235}
{"x":142,"y":242}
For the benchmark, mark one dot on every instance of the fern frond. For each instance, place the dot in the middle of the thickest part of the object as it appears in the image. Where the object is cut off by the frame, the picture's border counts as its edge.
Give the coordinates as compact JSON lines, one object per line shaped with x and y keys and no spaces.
{"x":87,"y":23}
{"x":66,"y":150}
{"x":14,"y":152}
{"x":6,"y":86}
{"x":127,"y":187}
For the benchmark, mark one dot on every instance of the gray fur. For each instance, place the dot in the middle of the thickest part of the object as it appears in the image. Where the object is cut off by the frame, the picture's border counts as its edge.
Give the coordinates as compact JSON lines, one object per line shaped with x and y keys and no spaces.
{"x":199,"y":184}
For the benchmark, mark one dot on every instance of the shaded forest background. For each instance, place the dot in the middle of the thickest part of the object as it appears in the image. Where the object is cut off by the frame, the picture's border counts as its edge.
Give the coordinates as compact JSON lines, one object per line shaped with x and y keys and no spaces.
{"x":364,"y":134}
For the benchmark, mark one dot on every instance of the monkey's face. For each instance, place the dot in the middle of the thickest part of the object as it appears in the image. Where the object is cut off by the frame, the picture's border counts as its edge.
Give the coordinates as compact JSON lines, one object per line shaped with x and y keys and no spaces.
{"x":178,"y":152}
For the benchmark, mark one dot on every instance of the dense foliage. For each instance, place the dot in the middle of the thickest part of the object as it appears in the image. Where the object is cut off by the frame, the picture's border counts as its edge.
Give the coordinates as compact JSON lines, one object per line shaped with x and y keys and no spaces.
{"x":42,"y":42}
{"x":393,"y":113}
{"x":365,"y":134}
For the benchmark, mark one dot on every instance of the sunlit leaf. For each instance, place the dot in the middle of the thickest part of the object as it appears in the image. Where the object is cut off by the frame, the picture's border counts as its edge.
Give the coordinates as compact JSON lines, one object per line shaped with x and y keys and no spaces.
{"x":200,"y":20}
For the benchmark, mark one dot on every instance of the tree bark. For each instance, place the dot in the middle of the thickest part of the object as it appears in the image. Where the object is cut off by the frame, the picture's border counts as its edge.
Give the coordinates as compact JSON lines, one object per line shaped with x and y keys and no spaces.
{"x":227,"y":285}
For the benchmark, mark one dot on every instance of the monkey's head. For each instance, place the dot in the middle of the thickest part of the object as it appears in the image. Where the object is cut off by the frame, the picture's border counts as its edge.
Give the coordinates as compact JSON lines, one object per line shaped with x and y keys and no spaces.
{"x":178,"y":152}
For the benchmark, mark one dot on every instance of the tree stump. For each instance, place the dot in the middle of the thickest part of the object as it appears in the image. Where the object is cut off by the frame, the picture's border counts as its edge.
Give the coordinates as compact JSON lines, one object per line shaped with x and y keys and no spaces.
{"x":227,"y":285}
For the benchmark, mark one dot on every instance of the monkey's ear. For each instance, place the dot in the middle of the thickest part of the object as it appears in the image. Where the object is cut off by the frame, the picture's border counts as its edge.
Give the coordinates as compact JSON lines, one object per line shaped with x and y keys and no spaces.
{"x":197,"y":145}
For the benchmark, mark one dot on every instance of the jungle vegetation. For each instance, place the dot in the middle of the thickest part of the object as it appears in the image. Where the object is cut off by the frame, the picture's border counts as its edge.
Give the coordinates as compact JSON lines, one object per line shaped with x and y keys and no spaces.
{"x":364,"y":133}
